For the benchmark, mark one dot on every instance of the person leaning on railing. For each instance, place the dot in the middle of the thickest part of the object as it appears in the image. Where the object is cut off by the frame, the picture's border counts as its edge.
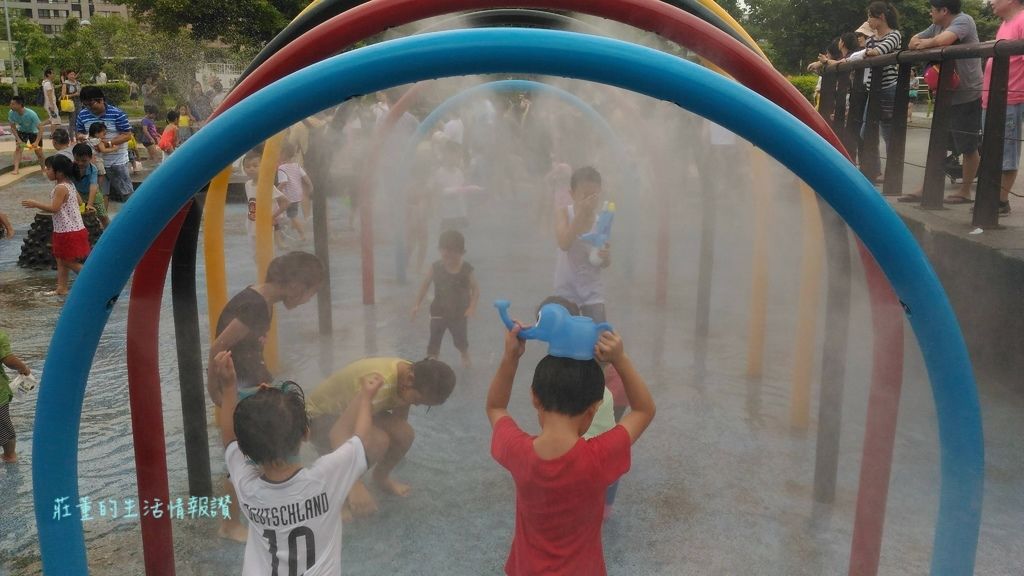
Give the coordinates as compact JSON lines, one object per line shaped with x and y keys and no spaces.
{"x":853,"y":117}
{"x":1011,"y":12}
{"x":884,"y":19}
{"x":951,"y":26}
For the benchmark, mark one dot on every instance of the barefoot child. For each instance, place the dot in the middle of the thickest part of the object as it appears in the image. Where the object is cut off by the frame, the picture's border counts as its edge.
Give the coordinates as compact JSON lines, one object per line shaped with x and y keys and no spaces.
{"x":169,"y":139}
{"x":455,"y":295}
{"x":251,"y":167}
{"x":426,"y":383}
{"x":70,"y":238}
{"x":87,"y":183}
{"x":150,"y":135}
{"x":295,"y":185}
{"x":561,"y":478}
{"x":7,"y":436}
{"x":100,"y":146}
{"x":284,"y":501}
{"x":292,"y":280}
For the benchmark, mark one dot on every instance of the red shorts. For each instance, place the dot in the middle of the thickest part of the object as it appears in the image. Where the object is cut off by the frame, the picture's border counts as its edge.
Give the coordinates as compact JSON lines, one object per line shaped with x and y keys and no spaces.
{"x":71,"y":245}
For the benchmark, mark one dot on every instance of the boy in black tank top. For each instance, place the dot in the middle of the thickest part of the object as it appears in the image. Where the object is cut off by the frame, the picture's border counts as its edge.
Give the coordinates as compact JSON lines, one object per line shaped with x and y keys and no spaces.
{"x":242,"y":328}
{"x":455,"y":295}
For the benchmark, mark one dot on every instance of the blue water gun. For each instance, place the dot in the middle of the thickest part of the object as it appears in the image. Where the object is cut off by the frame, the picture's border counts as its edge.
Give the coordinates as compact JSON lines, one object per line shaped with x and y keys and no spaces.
{"x":602,"y":231}
{"x":567,"y":336}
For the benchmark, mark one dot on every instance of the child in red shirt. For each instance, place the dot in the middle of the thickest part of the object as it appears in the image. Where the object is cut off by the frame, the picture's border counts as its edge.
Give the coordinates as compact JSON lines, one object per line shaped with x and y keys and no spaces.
{"x":560,"y":478}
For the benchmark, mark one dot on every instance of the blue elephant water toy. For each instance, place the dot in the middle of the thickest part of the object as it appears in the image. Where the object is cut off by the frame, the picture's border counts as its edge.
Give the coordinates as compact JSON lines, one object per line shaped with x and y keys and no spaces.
{"x":602,"y":231}
{"x":567,"y":336}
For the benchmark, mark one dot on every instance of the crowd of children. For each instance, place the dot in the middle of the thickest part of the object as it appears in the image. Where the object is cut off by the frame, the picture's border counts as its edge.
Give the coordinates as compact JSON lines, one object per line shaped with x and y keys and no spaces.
{"x":357,"y":420}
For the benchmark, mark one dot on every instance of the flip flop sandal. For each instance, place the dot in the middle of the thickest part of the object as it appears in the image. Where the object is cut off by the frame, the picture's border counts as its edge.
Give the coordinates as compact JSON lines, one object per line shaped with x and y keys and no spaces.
{"x":908,"y":198}
{"x":953,"y":200}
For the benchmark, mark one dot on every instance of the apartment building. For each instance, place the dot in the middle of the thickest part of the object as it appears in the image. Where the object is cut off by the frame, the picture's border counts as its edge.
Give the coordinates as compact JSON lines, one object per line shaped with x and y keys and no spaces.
{"x":52,"y":14}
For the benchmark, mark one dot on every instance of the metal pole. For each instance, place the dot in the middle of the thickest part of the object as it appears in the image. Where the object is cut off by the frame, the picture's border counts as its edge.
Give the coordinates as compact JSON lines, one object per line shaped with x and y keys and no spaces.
{"x":10,"y":47}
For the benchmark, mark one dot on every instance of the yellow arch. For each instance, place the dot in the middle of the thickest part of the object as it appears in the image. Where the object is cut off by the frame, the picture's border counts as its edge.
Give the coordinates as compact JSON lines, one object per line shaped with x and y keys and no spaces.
{"x":728,"y":19}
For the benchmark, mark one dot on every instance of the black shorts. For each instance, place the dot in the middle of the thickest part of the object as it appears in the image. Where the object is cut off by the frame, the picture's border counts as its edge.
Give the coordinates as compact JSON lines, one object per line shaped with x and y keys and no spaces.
{"x":293,"y":210}
{"x":965,"y":127}
{"x":27,"y":137}
{"x":454,"y":324}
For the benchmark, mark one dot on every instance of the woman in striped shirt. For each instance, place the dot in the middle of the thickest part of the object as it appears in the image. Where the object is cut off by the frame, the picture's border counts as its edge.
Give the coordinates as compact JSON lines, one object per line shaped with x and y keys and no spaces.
{"x":883,"y":17}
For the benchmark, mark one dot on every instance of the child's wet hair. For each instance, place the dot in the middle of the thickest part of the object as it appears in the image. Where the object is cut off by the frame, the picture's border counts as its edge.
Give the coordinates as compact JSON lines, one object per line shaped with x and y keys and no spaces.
{"x":82,"y":150}
{"x":567,"y":386}
{"x":584,"y":174}
{"x":96,"y":128}
{"x":149,"y":109}
{"x":254,"y":154}
{"x":61,"y":164}
{"x":564,"y":302}
{"x":452,"y":240}
{"x":271,"y":423}
{"x":287,"y":149}
{"x":434,"y":380}
{"x":172,"y":116}
{"x":296,"y":267}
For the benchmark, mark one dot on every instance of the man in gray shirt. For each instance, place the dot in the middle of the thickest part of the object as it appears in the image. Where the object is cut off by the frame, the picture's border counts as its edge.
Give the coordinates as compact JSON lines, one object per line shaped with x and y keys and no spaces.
{"x":951,"y":26}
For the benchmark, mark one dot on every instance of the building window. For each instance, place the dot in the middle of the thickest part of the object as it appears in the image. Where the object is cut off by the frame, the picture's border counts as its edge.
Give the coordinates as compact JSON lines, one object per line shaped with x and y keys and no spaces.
{"x":45,"y":13}
{"x":47,"y":29}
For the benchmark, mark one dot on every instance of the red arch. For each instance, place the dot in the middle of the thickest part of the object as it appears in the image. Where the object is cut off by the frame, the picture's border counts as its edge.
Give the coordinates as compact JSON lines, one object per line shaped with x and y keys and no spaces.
{"x":653,"y":16}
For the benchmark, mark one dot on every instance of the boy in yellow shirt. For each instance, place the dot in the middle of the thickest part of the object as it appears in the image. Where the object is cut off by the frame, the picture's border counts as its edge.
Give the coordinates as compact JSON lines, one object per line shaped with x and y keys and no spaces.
{"x":427,"y":382}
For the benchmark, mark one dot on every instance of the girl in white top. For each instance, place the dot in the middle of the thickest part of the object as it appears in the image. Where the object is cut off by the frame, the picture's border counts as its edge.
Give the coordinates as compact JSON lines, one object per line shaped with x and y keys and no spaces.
{"x":294,"y":513}
{"x":70,"y":237}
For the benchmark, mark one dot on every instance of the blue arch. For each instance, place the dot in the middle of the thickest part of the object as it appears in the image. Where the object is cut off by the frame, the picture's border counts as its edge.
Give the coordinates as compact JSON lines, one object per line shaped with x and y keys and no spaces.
{"x":466,"y":52}
{"x":626,"y":211}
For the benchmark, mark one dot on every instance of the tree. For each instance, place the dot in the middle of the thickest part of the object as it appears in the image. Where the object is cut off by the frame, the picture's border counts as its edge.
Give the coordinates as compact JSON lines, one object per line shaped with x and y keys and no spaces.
{"x":798,"y":30}
{"x":238,"y":22}
{"x":31,"y":44}
{"x":76,"y":48}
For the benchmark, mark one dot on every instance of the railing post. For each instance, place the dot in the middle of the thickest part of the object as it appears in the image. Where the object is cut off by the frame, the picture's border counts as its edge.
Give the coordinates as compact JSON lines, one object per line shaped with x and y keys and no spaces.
{"x":870,"y":160}
{"x":896,"y":151}
{"x":934,"y":172}
{"x":990,"y":173}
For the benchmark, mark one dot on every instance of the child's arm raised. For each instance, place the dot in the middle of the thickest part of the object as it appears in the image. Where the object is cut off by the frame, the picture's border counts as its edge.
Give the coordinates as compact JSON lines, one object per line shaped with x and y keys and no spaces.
{"x":501,"y":386}
{"x":641,"y":404}
{"x":358,"y":416}
{"x":233,"y":334}
{"x":422,"y":292}
{"x":224,"y":368}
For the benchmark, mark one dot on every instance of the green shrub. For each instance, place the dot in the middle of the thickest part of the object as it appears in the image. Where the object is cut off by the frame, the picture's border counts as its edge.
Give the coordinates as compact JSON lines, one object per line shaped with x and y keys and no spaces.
{"x":33,"y":93}
{"x":115,"y":93}
{"x":805,"y":84}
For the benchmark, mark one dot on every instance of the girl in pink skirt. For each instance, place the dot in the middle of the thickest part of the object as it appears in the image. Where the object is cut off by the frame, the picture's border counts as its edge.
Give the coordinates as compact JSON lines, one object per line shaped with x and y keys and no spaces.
{"x":70,"y":238}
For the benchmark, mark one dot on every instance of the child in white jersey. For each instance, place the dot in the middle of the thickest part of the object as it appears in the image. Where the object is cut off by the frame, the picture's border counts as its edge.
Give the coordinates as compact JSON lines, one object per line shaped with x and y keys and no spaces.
{"x":283,"y":501}
{"x":70,"y":238}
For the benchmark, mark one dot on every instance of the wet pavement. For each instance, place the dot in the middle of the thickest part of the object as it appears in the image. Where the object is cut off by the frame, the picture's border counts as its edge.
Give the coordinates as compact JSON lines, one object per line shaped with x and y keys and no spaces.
{"x":720,"y":483}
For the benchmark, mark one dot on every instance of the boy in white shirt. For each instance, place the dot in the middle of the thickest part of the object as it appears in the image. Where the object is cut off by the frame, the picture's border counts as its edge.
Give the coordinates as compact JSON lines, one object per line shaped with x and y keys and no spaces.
{"x":251,"y":166}
{"x":294,"y":512}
